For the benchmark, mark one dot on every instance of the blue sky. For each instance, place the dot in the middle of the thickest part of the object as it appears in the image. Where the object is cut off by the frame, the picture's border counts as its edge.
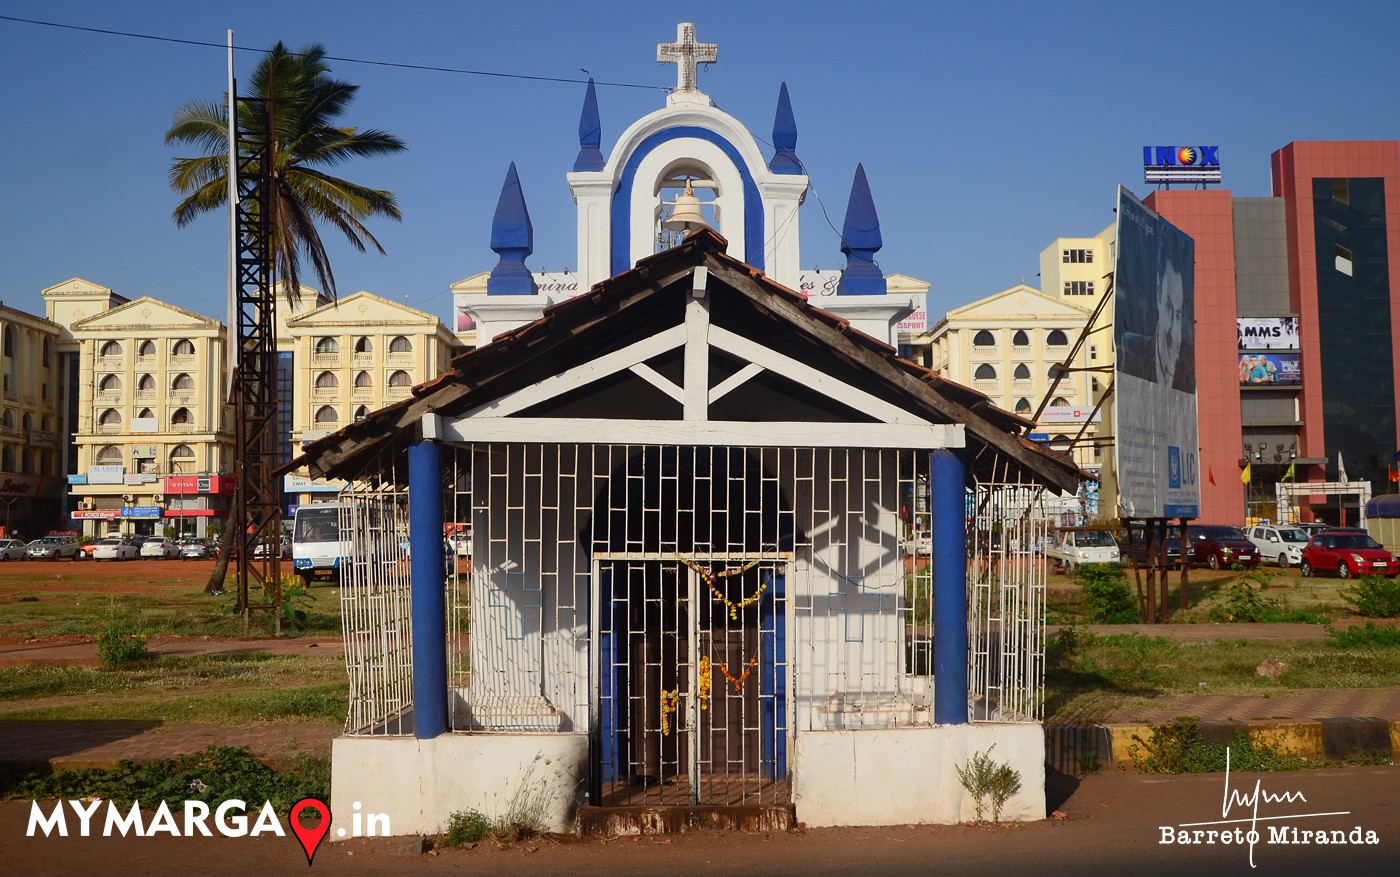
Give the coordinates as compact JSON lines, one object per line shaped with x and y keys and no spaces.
{"x":986,"y":130}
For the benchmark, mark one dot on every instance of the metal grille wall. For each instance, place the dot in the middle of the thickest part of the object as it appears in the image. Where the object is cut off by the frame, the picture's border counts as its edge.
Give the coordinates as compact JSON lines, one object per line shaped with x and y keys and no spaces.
{"x":1007,"y":592}
{"x":375,"y":608}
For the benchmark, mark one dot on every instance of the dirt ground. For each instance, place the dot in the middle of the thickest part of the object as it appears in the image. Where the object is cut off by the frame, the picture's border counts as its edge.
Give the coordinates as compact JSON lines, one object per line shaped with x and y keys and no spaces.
{"x":1110,"y":824}
{"x":144,"y":576}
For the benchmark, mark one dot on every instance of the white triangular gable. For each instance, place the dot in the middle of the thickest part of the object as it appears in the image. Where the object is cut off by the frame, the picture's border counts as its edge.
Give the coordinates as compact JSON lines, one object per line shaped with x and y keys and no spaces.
{"x":148,"y":315}
{"x":1017,"y":303}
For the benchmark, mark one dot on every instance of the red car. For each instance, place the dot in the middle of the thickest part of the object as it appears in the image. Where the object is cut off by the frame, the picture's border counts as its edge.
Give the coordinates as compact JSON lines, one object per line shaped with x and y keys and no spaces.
{"x":1347,"y":553}
{"x":1220,"y":547}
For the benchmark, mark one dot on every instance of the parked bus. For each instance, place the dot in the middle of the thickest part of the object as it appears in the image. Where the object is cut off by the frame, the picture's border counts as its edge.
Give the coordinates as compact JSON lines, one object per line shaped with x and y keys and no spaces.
{"x":318,"y":551}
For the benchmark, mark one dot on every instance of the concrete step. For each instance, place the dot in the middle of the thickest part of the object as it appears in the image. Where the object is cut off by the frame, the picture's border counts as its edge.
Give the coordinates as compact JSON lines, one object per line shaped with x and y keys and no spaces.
{"x":622,"y":821}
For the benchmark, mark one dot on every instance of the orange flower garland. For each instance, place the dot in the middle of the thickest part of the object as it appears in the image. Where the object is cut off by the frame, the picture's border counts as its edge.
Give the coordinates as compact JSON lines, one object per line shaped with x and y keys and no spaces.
{"x":669,"y":701}
{"x":705,"y":673}
{"x":739,"y":682}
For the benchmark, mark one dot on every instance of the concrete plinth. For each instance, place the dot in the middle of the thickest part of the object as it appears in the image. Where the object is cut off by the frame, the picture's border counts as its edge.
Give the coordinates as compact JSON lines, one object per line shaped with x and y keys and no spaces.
{"x":909,"y":775}
{"x":418,"y":784}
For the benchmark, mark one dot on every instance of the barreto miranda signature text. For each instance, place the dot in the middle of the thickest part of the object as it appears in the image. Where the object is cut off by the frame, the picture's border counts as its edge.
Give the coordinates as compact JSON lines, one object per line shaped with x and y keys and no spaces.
{"x":1245,"y":830}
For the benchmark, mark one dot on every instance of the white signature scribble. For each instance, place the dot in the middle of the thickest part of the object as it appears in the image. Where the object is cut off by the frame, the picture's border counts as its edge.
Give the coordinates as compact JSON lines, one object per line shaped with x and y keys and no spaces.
{"x":1188,"y":833}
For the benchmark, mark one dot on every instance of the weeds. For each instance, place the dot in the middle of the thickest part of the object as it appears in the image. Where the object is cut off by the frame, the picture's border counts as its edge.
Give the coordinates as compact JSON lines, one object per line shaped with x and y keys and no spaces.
{"x":1374,"y":597}
{"x":1246,"y":603}
{"x":122,"y":641}
{"x":1180,"y":747}
{"x":1372,"y":636}
{"x":524,"y":816}
{"x":1107,"y":597}
{"x":984,"y":778}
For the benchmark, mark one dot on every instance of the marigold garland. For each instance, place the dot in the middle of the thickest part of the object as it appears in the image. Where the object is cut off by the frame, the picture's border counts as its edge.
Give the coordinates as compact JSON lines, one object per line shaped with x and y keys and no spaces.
{"x":711,"y":577}
{"x":739,"y":682}
{"x":669,"y":701}
{"x":705,"y":673}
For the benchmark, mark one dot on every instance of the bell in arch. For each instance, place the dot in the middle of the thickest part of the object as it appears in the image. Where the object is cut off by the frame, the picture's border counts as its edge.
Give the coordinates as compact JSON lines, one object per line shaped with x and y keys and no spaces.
{"x":685,"y":214}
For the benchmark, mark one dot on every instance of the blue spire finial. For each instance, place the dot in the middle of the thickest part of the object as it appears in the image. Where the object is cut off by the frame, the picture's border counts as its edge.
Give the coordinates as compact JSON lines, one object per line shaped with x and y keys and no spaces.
{"x":860,"y":241}
{"x":784,"y":137}
{"x":590,"y":133}
{"x":512,"y":238}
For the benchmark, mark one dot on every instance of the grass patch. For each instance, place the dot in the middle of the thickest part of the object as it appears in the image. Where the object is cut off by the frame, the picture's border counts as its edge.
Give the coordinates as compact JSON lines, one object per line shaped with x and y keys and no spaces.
{"x":218,"y":689}
{"x":78,"y":599}
{"x":1089,"y":675}
{"x":1180,"y":747}
{"x":214,"y":775}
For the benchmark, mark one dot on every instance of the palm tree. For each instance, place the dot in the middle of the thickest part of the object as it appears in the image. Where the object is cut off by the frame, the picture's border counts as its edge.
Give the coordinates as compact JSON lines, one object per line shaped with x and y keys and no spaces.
{"x":300,"y":105}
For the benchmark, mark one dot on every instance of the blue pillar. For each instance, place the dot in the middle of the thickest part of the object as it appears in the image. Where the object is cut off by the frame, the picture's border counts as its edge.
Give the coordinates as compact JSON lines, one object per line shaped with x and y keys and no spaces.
{"x":949,"y":508}
{"x":429,"y":601}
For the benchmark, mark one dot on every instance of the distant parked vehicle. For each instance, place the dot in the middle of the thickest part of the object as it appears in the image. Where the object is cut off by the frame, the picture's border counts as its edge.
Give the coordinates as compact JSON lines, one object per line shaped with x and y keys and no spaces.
{"x":1312,"y":528}
{"x":1281,"y":544}
{"x":1347,"y":553}
{"x":1134,"y":545}
{"x":114,"y":548}
{"x":1217,"y":546}
{"x":194,"y":549}
{"x":1070,"y":548}
{"x":52,"y":548}
{"x":159,"y":547}
{"x":12,"y":549}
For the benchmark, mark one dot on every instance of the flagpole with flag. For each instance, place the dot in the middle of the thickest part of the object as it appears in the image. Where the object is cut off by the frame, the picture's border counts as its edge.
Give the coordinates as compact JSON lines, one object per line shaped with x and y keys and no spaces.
{"x":1246,"y":474}
{"x":1342,"y":470}
{"x":1290,"y":474}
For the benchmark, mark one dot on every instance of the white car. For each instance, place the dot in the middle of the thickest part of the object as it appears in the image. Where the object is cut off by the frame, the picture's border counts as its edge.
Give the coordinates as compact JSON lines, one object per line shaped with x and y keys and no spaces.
{"x":159,"y":547}
{"x":114,"y":549}
{"x":1070,"y":548}
{"x":12,"y":549}
{"x":1282,"y":545}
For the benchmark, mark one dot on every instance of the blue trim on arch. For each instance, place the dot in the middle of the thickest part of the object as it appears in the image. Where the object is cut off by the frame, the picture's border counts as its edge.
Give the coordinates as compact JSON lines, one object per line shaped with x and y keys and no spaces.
{"x":621,"y":245}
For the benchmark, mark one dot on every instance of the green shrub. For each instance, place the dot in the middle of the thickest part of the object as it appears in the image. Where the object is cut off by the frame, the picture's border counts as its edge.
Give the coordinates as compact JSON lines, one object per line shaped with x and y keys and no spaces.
{"x":121,"y":641}
{"x":1107,"y":597}
{"x":467,"y":827}
{"x":1180,"y":747}
{"x":1372,"y":636}
{"x":1374,"y":597}
{"x":984,"y":778}
{"x":1246,"y":603}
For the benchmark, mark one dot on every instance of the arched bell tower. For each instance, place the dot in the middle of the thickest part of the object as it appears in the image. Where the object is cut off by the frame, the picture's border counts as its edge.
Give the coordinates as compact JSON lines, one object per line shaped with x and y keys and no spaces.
{"x":621,"y":200}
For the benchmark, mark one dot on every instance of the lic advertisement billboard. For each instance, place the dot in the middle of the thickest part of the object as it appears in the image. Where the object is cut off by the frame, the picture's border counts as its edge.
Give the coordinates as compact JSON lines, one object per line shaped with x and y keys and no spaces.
{"x":1155,"y":369}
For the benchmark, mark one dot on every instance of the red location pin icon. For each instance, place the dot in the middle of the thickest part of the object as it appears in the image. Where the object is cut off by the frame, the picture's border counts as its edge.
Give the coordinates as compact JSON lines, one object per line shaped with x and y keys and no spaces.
{"x":310,"y":838}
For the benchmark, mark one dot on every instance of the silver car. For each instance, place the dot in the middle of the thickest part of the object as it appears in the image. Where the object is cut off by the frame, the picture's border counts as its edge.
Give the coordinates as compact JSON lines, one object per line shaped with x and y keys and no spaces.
{"x":12,"y":549}
{"x":51,"y":548}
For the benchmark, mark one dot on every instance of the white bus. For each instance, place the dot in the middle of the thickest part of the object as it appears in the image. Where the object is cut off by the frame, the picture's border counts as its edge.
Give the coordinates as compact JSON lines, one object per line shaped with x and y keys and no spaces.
{"x":318,"y":551}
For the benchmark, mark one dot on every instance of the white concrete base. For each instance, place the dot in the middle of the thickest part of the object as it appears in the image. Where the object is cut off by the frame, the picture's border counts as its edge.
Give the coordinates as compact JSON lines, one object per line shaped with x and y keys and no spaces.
{"x":909,"y":775}
{"x":418,"y":784}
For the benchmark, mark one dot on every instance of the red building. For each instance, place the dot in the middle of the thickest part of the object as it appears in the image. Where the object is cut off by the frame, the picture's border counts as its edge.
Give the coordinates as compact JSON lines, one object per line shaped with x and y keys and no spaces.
{"x":1321,"y":254}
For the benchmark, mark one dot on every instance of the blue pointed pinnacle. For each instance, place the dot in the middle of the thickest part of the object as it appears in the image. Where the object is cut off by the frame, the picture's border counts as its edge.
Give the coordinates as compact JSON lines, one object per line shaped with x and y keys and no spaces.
{"x":590,"y":133}
{"x":785,"y":159}
{"x":512,"y":238}
{"x":860,"y":241}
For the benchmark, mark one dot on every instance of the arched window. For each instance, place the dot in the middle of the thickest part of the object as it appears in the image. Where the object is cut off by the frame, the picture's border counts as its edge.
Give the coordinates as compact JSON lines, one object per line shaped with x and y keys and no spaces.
{"x":361,"y":413}
{"x":111,"y":348}
{"x":1056,"y":338}
{"x":26,"y":462}
{"x":7,"y":418}
{"x":182,"y":382}
{"x":1060,"y":443}
{"x":9,"y":341}
{"x":1059,"y":400}
{"x":1056,"y":370}
{"x":1021,"y":339}
{"x":985,"y":373}
{"x":400,"y":378}
{"x":183,"y":347}
{"x":327,"y":345}
{"x":7,"y":459}
{"x":1022,"y":372}
{"x":400,"y":344}
{"x":984,"y":339}
{"x":182,"y":452}
{"x":146,"y":382}
{"x":46,"y":352}
{"x":181,"y":415}
{"x":28,"y":422}
{"x":110,"y":417}
{"x":147,"y":348}
{"x":109,"y":383}
{"x":110,"y":455}
{"x":364,"y":345}
{"x":145,"y":413}
{"x":44,"y":424}
{"x":327,"y":381}
{"x":1023,"y":406}
{"x":325,"y":414}
{"x":362,"y":379}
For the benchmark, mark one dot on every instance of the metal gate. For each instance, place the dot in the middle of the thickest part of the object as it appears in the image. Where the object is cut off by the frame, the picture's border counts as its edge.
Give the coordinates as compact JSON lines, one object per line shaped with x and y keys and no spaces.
{"x":692,"y":681}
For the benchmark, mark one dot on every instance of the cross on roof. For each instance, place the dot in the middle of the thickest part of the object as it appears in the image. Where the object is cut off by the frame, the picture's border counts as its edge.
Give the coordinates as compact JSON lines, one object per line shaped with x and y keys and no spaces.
{"x":685,"y":53}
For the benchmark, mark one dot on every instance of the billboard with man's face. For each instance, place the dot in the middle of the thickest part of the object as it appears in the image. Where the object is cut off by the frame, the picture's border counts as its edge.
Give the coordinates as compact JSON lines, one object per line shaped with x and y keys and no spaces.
{"x":1154,"y":339}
